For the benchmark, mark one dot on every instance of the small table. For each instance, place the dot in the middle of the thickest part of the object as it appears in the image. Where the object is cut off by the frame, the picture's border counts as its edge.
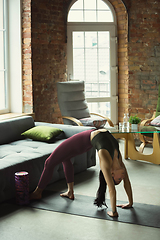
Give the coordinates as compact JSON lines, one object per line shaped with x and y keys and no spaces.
{"x":130,"y":150}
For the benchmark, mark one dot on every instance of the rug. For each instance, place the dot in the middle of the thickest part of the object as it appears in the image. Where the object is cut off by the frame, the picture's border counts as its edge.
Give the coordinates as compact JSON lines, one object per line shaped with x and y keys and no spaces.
{"x":140,"y":214}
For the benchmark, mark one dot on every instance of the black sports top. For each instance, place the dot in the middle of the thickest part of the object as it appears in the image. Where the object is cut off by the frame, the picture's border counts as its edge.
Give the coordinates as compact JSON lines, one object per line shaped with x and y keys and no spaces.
{"x":105,"y":140}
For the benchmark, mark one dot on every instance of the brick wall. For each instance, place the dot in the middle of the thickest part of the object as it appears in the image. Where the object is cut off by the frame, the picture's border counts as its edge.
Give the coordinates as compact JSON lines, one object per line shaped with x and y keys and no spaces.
{"x":48,"y":57}
{"x":144,"y":56}
{"x":27,"y":57}
{"x":45,"y":59}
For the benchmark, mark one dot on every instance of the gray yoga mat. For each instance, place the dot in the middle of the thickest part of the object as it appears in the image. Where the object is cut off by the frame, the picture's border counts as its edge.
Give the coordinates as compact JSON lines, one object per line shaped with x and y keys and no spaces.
{"x":140,"y":214}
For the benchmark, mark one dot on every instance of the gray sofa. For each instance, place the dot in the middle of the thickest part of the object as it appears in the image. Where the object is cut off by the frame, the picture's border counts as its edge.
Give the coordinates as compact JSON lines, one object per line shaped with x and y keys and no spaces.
{"x":20,"y":154}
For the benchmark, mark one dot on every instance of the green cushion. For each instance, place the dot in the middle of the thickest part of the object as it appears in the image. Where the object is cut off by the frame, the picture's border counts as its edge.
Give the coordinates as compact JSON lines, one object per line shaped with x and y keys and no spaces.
{"x":42,"y":133}
{"x":157,"y":114}
{"x":148,"y":129}
{"x":158,"y":102}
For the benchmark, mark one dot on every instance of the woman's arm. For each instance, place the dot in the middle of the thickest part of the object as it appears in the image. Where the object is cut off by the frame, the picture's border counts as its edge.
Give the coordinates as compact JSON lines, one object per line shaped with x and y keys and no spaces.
{"x":128,"y":189}
{"x":127,"y":186}
{"x":105,"y":165}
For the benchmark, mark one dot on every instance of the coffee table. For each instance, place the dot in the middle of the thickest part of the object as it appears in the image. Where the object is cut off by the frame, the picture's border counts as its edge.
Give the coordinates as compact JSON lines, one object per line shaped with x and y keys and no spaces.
{"x":130,"y":150}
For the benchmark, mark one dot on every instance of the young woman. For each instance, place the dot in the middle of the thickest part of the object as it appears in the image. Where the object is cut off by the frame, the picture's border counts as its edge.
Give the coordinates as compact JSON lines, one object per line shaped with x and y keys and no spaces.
{"x":112,"y":171}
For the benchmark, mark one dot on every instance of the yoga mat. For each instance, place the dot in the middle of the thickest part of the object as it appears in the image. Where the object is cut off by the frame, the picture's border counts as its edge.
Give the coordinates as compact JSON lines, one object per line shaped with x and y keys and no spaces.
{"x":140,"y":214}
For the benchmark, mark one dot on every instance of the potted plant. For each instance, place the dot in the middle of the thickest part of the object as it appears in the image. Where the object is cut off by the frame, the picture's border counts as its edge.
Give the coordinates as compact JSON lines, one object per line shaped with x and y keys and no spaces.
{"x":134,"y":120}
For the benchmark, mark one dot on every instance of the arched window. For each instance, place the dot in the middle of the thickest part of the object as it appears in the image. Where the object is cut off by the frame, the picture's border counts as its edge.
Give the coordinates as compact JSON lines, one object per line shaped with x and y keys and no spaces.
{"x":92,"y":53}
{"x":90,"y":11}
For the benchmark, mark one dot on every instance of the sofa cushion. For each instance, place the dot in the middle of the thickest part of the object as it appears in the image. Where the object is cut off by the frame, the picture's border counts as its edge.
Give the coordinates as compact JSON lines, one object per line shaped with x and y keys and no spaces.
{"x":155,"y":122}
{"x":11,"y":129}
{"x":42,"y":133}
{"x":24,"y":155}
{"x":97,"y":122}
{"x":28,"y":155}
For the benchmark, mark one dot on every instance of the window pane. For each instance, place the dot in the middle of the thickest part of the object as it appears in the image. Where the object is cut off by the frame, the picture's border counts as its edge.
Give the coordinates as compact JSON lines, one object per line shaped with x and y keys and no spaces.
{"x":78,"y":40}
{"x":90,"y":4}
{"x":91,"y":64}
{"x":75,"y":16}
{"x":78,"y":5}
{"x":103,"y":39}
{"x":88,"y":89}
{"x":2,"y":78}
{"x":90,"y":39}
{"x":104,"y":90}
{"x":2,"y":91}
{"x":90,"y":16}
{"x":102,"y":5}
{"x":1,"y":51}
{"x":78,"y":64}
{"x":93,"y":107}
{"x":105,"y":108}
{"x":104,"y":16}
{"x":104,"y":64}
{"x":104,"y":60}
{"x":78,"y":55}
{"x":100,"y":107}
{"x":1,"y":14}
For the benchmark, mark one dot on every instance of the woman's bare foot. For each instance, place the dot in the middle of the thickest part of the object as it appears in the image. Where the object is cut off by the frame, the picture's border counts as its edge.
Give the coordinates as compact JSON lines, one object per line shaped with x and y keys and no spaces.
{"x":68,"y":194}
{"x":37,"y":194}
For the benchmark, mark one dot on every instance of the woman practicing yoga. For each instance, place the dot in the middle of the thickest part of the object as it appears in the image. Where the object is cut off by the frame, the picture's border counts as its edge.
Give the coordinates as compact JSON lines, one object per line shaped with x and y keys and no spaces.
{"x":112,"y":171}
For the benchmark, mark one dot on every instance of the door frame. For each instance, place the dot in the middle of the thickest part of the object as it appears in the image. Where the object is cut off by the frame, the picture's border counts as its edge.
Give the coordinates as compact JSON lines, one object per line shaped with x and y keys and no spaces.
{"x":111,"y":27}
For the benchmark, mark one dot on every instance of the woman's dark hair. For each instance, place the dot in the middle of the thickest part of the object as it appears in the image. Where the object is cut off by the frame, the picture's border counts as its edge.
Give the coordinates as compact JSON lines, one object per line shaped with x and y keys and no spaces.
{"x":100,"y":197}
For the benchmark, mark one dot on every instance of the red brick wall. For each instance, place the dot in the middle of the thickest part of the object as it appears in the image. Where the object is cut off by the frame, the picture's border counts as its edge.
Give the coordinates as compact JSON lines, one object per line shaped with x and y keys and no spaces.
{"x":27,"y":57}
{"x":144,"y":56}
{"x":45,"y":59}
{"x":48,"y":57}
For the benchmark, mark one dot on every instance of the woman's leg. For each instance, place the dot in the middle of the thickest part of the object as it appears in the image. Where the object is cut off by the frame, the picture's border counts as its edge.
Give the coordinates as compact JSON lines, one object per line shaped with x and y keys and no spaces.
{"x":70,"y":193}
{"x":69,"y":175}
{"x":37,"y":194}
{"x":47,"y":175}
{"x":71,"y":147}
{"x":77,"y":144}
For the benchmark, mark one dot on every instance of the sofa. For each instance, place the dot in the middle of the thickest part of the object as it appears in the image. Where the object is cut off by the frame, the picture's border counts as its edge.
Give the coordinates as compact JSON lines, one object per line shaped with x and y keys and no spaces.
{"x":18,"y":153}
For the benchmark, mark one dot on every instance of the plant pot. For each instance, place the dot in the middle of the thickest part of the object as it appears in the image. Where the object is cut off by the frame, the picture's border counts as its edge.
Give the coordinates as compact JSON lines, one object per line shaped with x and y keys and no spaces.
{"x":134,"y":127}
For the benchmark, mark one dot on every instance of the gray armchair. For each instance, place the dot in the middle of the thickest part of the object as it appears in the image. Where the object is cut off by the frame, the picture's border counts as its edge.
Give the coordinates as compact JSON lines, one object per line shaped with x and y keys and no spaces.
{"x":73,"y":105}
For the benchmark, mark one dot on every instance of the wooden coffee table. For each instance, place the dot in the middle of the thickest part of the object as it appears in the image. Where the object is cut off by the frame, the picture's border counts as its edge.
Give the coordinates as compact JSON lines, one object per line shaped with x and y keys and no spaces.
{"x":130,"y":150}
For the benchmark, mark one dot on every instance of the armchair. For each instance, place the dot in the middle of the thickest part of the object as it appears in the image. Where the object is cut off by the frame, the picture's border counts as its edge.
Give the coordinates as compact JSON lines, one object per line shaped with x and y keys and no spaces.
{"x":147,"y":138}
{"x":73,"y":105}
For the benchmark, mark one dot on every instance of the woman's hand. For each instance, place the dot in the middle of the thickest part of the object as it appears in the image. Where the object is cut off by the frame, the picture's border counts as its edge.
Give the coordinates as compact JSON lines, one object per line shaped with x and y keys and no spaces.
{"x":125,"y":206}
{"x":112,"y":214}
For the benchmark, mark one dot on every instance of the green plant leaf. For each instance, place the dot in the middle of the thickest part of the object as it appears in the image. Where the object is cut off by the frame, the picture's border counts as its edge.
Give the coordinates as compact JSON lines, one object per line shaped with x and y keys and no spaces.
{"x":134,"y":119}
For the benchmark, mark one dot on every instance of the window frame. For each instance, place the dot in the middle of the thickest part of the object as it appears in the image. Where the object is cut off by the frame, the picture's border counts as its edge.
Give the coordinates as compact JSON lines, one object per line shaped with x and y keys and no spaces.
{"x":105,"y":1}
{"x":97,"y":26}
{"x":5,"y":52}
{"x":14,"y":94}
{"x":113,"y":99}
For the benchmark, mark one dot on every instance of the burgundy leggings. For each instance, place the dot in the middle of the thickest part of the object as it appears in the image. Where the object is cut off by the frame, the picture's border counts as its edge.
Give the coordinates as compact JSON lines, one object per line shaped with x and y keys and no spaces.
{"x":75,"y":145}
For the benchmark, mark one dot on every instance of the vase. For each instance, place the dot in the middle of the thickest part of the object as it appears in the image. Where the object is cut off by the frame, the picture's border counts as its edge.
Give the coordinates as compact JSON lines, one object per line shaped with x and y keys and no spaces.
{"x":134,"y":127}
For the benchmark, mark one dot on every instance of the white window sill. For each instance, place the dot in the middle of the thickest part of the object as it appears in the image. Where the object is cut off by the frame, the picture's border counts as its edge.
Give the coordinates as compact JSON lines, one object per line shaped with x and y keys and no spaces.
{"x":14,"y":115}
